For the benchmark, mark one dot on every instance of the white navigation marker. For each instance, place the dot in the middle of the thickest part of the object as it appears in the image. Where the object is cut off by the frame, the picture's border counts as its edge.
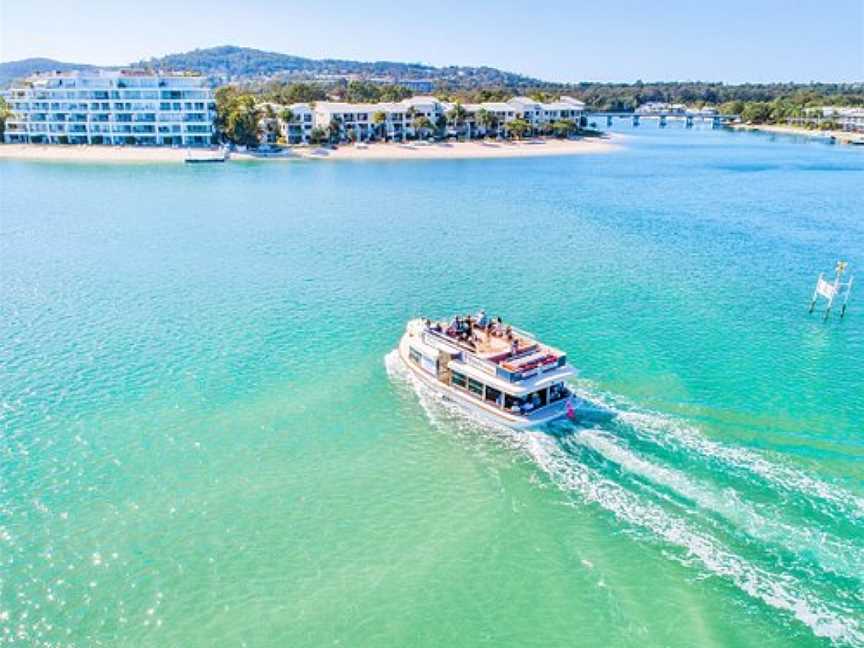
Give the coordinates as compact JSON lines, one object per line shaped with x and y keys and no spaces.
{"x":831,"y":291}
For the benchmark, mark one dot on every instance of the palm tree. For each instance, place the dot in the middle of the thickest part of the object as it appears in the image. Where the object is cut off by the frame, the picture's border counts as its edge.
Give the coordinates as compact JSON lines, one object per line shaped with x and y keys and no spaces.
{"x":518,"y":127}
{"x":485,"y":120}
{"x":334,"y":128}
{"x":421,"y":124}
{"x":457,"y":116}
{"x":441,"y":125}
{"x":379,"y":119}
{"x":411,"y":115}
{"x":287,"y":116}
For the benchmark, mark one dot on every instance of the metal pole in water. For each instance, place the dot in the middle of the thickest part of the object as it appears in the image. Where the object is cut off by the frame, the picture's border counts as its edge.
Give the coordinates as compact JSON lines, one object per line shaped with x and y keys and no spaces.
{"x":815,"y":293}
{"x":846,"y":298}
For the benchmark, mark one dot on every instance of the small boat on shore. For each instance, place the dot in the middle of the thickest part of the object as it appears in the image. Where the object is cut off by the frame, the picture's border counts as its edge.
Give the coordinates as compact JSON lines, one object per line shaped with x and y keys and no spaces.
{"x":490,"y":368}
{"x":206,"y":156}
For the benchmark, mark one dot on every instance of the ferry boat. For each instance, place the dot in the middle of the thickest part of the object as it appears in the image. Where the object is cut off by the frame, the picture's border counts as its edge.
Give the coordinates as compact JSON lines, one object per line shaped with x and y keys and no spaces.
{"x":489,"y":367}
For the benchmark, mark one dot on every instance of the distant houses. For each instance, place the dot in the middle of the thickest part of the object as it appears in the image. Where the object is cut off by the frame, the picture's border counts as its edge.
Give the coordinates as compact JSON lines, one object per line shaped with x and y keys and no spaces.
{"x":848,"y":119}
{"x":119,"y":107}
{"x":674,"y":109}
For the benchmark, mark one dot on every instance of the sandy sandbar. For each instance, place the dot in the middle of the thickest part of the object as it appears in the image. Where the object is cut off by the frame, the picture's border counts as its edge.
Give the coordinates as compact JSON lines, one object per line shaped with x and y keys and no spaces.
{"x":390,"y":151}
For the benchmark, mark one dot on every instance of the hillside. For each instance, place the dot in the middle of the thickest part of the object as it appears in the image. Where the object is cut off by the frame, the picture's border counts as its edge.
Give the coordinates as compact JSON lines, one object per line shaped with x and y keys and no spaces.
{"x":25,"y":67}
{"x":241,"y":63}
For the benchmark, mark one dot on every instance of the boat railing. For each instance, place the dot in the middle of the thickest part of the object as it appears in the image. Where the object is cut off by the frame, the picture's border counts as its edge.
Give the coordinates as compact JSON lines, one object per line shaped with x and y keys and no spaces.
{"x":436,"y":339}
{"x":481,"y":364}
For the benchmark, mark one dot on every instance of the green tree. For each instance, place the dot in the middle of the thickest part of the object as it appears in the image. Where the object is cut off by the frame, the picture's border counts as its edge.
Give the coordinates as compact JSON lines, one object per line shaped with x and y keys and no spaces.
{"x":757,"y":112}
{"x":564,"y":127}
{"x":440,"y":125}
{"x":486,"y":120}
{"x":422,"y":125}
{"x":518,"y":128}
{"x":334,"y":130}
{"x":317,"y":135}
{"x":457,"y":116}
{"x":394,"y":93}
{"x":5,"y":114}
{"x":379,"y":119}
{"x":362,"y":92}
{"x":297,"y":93}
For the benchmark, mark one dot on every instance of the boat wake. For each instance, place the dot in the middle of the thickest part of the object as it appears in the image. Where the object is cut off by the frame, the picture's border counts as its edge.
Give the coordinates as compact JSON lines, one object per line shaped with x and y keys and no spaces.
{"x":631,"y":466}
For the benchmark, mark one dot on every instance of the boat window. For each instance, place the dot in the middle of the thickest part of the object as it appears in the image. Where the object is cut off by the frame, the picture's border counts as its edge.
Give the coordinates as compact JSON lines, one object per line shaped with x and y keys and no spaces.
{"x":414,"y":354}
{"x":512,"y":403}
{"x":475,"y":386}
{"x":557,"y":392}
{"x":492,"y":394}
{"x":458,"y":379}
{"x":535,"y":400}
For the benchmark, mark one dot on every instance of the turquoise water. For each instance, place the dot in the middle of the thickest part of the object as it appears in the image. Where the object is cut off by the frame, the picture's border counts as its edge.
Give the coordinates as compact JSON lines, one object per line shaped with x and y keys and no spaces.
{"x":206,"y":440}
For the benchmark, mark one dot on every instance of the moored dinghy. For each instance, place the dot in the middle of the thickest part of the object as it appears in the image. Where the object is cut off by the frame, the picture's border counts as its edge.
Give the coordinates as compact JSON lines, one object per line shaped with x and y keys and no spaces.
{"x":490,"y":368}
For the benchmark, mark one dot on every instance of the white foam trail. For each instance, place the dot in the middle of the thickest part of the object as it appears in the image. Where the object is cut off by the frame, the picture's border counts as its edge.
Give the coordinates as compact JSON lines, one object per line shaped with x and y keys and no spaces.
{"x":831,"y":553}
{"x":780,"y":591}
{"x":671,"y":433}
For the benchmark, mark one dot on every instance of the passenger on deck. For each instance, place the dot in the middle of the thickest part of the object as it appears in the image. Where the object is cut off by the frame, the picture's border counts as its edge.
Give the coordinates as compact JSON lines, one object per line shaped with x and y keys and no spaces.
{"x":482,"y":320}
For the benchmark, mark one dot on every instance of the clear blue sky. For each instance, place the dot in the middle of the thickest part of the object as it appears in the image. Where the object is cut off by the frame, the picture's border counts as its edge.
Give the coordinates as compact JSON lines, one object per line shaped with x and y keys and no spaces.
{"x":564,"y":40}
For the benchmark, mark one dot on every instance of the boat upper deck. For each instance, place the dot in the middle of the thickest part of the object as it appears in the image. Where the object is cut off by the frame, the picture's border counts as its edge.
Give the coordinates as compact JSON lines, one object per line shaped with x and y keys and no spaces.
{"x":495,"y":347}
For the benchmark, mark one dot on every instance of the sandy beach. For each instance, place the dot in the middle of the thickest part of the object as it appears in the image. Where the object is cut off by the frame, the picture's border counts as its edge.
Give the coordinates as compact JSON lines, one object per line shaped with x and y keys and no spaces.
{"x":391,"y":151}
{"x":841,"y":136}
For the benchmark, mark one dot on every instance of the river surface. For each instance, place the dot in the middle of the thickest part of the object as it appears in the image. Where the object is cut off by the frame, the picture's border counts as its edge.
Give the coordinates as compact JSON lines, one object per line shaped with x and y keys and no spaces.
{"x":206,"y":439}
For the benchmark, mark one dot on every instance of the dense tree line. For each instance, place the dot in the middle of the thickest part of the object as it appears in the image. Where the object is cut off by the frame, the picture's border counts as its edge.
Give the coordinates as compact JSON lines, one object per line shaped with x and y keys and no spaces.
{"x":623,"y":97}
{"x":237,"y":116}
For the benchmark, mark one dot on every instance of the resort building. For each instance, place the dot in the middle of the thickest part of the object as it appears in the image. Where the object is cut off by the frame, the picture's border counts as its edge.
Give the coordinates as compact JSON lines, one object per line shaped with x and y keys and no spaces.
{"x":134,"y":107}
{"x":849,"y":119}
{"x":280,"y":124}
{"x":420,"y":116}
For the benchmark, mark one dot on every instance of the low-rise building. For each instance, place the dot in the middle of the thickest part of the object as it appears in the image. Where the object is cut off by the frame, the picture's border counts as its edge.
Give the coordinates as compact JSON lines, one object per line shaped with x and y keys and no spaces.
{"x":849,"y":119}
{"x":417,"y":116}
{"x":135,"y":107}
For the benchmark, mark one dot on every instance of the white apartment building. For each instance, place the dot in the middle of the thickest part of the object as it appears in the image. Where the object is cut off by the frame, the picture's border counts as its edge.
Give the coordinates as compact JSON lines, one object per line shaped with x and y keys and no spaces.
{"x":539,"y":114}
{"x":134,"y":107}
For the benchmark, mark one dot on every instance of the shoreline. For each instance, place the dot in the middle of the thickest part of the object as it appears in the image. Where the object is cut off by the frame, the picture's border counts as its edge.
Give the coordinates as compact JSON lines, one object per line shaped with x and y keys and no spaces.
{"x":375,"y":151}
{"x":842,"y":137}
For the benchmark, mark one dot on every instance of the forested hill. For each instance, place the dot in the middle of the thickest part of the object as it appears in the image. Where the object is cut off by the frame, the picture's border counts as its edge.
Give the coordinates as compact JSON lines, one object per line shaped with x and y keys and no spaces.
{"x":242,"y":63}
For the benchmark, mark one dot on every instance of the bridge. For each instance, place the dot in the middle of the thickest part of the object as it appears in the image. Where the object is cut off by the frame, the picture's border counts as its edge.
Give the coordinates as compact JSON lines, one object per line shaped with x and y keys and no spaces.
{"x":716,"y":120}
